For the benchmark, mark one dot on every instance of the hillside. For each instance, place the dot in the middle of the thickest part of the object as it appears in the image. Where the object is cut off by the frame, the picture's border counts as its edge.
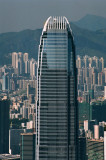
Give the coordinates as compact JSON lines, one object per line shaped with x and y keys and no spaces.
{"x":87,"y":42}
{"x":91,"y":22}
{"x":24,"y":41}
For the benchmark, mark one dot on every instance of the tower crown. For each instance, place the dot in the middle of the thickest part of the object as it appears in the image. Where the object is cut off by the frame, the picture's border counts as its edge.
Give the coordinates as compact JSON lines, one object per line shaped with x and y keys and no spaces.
{"x":57,"y":23}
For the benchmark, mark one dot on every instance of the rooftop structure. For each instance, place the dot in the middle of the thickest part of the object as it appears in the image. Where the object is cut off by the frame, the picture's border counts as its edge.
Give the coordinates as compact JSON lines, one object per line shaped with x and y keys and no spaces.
{"x":9,"y":157}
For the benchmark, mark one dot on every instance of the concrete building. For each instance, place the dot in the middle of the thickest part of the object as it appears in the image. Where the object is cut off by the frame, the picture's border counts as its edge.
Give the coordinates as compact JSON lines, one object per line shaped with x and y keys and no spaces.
{"x":25,"y":57}
{"x":5,"y":82}
{"x":86,"y":125}
{"x":96,"y":131}
{"x":105,"y":92}
{"x":15,"y":60}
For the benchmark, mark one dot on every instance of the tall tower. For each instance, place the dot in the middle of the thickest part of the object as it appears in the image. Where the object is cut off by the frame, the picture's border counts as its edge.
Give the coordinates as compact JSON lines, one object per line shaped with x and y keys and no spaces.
{"x":25,"y":57}
{"x":15,"y":60}
{"x":57,"y":112}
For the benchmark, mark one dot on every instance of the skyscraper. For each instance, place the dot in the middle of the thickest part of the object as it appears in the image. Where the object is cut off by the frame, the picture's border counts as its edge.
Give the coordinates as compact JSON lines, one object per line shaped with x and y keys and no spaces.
{"x":25,"y":57}
{"x":4,"y":126}
{"x":28,"y":146}
{"x":57,"y":119}
{"x":5,"y":82}
{"x":15,"y":60}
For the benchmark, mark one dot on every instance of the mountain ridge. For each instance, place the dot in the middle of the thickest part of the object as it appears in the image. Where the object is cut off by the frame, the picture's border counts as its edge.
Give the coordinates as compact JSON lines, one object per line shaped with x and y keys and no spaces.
{"x":87,"y":42}
{"x":91,"y":22}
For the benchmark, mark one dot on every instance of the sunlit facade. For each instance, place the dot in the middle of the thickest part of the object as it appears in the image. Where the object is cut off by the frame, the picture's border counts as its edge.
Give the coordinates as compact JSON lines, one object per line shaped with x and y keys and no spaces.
{"x":57,"y":113}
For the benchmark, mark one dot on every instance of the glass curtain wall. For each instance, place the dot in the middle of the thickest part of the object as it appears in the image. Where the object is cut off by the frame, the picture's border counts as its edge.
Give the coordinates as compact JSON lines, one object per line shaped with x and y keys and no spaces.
{"x":57,"y":119}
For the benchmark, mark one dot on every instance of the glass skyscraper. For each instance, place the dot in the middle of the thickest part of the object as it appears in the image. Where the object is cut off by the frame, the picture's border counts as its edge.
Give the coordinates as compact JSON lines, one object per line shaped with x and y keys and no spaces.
{"x":57,"y":113}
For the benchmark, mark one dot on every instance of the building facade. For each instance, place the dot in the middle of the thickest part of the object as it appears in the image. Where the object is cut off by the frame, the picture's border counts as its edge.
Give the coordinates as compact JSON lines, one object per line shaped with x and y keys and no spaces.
{"x":14,"y":141}
{"x":9,"y":157}
{"x":4,"y":126}
{"x":105,"y":143}
{"x":82,"y":148}
{"x":28,"y":146}
{"x":95,"y":149}
{"x":57,"y":112}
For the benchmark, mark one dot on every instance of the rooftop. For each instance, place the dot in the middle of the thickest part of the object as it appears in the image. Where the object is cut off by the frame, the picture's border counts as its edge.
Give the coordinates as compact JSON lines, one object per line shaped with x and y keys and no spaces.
{"x":56,"y":23}
{"x":9,"y":156}
{"x":28,"y":134}
{"x":96,"y":140}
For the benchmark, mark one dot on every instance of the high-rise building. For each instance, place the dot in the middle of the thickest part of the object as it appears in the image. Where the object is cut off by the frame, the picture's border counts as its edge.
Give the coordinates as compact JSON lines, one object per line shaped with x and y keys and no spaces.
{"x":5,"y":82}
{"x":15,"y":60}
{"x":57,"y":112}
{"x":28,"y":146}
{"x":86,"y":125}
{"x":82,"y":148}
{"x":86,"y":62}
{"x":25,"y":57}
{"x":33,"y":65}
{"x":102,"y":63}
{"x":97,"y":109}
{"x":104,"y":92}
{"x":21,"y":67}
{"x":105,"y":143}
{"x":96,"y":131}
{"x":20,"y":62}
{"x":27,"y":67}
{"x":14,"y":141}
{"x":78,"y":62}
{"x":4,"y":126}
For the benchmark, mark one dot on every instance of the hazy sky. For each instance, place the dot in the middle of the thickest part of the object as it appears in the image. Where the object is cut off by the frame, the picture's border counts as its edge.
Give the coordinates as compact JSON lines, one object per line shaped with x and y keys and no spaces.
{"x":16,"y":15}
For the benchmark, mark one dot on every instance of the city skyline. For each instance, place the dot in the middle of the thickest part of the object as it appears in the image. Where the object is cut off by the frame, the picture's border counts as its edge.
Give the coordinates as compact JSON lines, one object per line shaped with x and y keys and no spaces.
{"x":91,"y":99}
{"x":53,"y":80}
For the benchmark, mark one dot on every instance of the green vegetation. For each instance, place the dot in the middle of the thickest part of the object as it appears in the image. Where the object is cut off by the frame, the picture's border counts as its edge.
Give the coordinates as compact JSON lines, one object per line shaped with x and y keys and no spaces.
{"x":87,"y":42}
{"x":92,"y":22}
{"x":24,"y":41}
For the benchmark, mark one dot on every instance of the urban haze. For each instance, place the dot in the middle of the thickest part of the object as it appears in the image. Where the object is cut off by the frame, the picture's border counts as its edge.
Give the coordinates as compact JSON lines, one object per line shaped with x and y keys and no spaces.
{"x":17,"y":15}
{"x":52,"y":80}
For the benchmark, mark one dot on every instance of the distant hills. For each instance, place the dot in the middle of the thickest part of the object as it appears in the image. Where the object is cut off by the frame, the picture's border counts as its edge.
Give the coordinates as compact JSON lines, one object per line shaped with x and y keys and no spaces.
{"x":24,"y":41}
{"x":92,"y":22}
{"x":92,"y":43}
